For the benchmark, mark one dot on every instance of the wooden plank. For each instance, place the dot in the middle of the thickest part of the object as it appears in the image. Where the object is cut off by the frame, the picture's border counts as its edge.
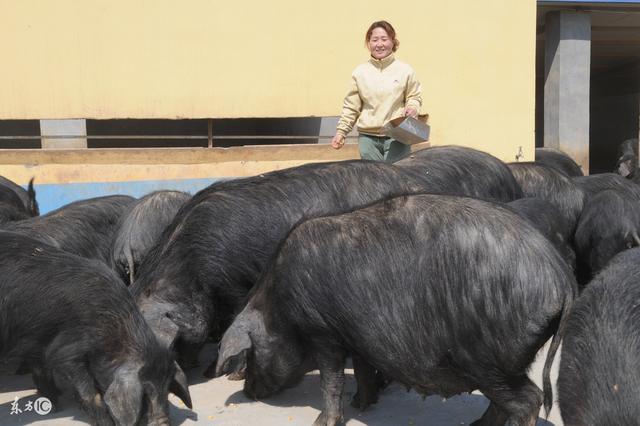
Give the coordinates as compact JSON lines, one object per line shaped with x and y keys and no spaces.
{"x":179,"y":155}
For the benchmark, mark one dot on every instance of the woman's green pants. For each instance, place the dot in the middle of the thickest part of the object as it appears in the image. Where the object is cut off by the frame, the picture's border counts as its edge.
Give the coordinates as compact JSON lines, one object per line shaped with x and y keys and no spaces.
{"x":381,"y":148}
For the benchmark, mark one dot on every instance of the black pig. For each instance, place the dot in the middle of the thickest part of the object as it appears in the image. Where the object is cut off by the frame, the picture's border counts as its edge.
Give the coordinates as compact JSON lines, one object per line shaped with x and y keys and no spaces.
{"x":27,"y":197}
{"x":544,"y":182}
{"x":463,"y":171}
{"x":610,"y":223}
{"x":547,"y":219}
{"x":73,"y":323}
{"x":599,"y":374}
{"x":9,"y":213}
{"x":443,"y":294}
{"x":139,"y":229}
{"x":558,"y":160}
{"x":85,"y":227}
{"x":593,"y":184}
{"x":627,"y":163}
{"x":198,"y":275}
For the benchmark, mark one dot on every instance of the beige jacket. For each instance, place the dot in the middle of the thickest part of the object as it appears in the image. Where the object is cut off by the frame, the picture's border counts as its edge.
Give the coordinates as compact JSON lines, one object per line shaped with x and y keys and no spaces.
{"x":380,"y":90}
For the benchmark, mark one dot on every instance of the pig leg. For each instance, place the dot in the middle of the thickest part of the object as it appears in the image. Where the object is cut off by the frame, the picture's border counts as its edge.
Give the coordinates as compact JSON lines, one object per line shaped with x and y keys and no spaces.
{"x":65,"y":356}
{"x":45,"y":384}
{"x":513,"y":403}
{"x":331,"y":364}
{"x":492,"y":416}
{"x":88,"y":395}
{"x":368,"y":384}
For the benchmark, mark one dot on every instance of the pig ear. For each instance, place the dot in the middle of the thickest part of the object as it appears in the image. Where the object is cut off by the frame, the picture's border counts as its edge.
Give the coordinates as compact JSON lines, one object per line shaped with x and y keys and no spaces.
{"x":232,"y":355}
{"x":180,"y":387}
{"x":130,"y":263}
{"x":124,"y":396}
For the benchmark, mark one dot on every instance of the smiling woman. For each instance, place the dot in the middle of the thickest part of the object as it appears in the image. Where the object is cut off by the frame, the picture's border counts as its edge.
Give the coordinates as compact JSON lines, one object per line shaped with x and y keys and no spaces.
{"x":381,"y":40}
{"x":382,"y":89}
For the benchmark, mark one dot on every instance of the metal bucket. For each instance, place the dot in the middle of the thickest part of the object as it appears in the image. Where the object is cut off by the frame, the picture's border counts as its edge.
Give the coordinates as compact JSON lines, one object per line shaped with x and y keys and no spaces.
{"x":407,"y":130}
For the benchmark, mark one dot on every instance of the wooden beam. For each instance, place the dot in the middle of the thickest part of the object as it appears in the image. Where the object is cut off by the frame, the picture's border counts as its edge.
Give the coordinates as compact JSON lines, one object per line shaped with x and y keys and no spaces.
{"x":179,"y":155}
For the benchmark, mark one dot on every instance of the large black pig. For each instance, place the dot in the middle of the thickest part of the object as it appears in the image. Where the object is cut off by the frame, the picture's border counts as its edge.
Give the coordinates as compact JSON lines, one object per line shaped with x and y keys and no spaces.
{"x":547,"y":219}
{"x":198,"y":275}
{"x":85,"y":227}
{"x":593,"y":184}
{"x":609,"y":224}
{"x":443,"y":294}
{"x":558,"y":160}
{"x":537,"y":180}
{"x":463,"y":171}
{"x":73,"y":323}
{"x":599,"y":374}
{"x":138,"y":230}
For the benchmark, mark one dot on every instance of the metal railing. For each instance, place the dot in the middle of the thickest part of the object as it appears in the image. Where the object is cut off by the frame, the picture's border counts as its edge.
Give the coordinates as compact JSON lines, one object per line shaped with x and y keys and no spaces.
{"x":210,"y":138}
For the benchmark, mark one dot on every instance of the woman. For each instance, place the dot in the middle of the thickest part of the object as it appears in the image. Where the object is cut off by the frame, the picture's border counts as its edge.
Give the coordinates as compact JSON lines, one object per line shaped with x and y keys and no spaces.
{"x":383,"y":88}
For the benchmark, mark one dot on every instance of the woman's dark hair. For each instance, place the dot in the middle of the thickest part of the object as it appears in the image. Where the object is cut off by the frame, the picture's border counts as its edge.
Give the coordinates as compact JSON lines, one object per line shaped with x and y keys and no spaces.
{"x":385,"y":26}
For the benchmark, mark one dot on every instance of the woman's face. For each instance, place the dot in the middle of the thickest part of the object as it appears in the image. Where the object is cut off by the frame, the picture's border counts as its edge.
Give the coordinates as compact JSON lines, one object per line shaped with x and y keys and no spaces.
{"x":380,"y":44}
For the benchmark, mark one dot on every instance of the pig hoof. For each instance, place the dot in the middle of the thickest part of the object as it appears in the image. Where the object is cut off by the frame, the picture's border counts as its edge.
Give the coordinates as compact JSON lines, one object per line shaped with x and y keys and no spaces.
{"x":382,"y":381}
{"x":238,"y":375}
{"x":362,"y":402}
{"x":327,"y":420}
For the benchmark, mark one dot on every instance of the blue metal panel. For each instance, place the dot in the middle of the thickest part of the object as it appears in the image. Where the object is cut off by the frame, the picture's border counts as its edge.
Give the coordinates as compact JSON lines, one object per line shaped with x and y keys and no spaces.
{"x":53,"y":196}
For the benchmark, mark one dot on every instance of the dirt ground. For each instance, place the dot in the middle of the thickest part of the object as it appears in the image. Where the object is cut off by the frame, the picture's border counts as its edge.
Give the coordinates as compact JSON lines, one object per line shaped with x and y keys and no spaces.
{"x":221,"y":402}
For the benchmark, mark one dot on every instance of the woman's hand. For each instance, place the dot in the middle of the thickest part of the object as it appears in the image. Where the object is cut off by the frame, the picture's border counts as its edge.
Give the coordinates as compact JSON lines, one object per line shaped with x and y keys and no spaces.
{"x":411,"y":112}
{"x":338,"y":141}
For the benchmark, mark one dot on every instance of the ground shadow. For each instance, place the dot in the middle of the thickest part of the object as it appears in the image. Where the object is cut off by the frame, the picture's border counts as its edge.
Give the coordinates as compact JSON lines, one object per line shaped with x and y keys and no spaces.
{"x":395,"y":405}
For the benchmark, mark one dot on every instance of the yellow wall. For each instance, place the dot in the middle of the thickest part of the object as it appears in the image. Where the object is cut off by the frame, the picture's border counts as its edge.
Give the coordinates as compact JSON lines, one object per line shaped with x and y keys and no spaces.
{"x":197,"y":59}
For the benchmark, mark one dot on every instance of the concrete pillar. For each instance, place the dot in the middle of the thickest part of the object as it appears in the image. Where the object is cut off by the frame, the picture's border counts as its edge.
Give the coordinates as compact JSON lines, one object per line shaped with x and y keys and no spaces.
{"x":566,"y":87}
{"x":76,"y":128}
